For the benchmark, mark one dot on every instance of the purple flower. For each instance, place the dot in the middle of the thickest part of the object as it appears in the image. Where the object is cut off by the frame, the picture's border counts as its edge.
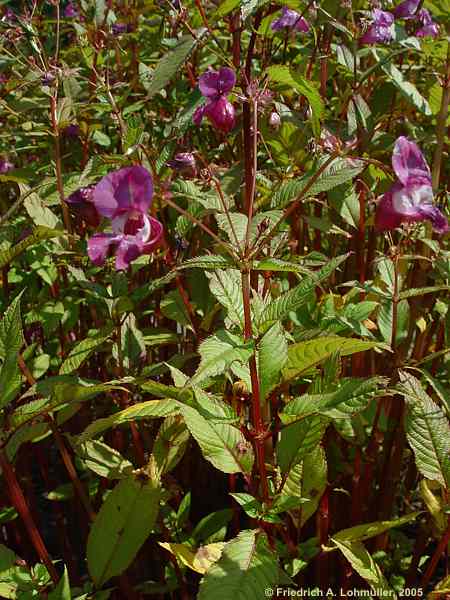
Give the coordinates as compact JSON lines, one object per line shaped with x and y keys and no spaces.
{"x":72,"y":130}
{"x":380,"y":30}
{"x":214,"y":86}
{"x":5,"y":166}
{"x":411,"y":197}
{"x":181,"y":162}
{"x":428,"y":26}
{"x":71,"y":11}
{"x":290,"y":19}
{"x":120,"y":28}
{"x":124,"y":197}
{"x":406,"y":9}
{"x":83,"y":205}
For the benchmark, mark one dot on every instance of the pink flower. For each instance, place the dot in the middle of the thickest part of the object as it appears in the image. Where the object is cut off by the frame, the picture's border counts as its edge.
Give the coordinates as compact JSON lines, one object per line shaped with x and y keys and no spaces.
{"x":428,"y":26}
{"x":290,"y":19}
{"x":411,"y":197}
{"x":380,"y":30}
{"x":214,"y":86}
{"x":124,"y":197}
{"x":406,"y":9}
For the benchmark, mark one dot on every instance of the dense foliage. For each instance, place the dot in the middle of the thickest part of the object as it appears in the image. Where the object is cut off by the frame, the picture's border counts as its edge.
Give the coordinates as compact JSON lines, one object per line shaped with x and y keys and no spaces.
{"x":225,"y":274}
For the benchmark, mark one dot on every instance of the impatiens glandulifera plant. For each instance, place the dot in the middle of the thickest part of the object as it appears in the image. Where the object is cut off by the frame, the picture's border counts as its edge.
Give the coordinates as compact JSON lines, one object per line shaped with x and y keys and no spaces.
{"x":258,"y":399}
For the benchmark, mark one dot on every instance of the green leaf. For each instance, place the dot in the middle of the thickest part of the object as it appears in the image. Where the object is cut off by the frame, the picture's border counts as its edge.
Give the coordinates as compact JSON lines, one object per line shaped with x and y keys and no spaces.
{"x":82,"y":351}
{"x":272,"y":356}
{"x":407,"y":89}
{"x":427,"y":430}
{"x":227,"y":288}
{"x":221,"y":444}
{"x":363,"y":563}
{"x":104,"y":460}
{"x":38,"y":234}
{"x":298,"y":440}
{"x":359,"y":533}
{"x":280,"y":308}
{"x":38,"y":211}
{"x":173,"y":307}
{"x":122,"y":525}
{"x":11,"y":340}
{"x":218,"y":353}
{"x":285,"y":76}
{"x":147,"y":290}
{"x":200,"y":559}
{"x":62,"y":590}
{"x":152,"y":409}
{"x":245,"y":570}
{"x":413,"y":292}
{"x":189,"y":191}
{"x":208,"y":261}
{"x":170,"y":443}
{"x":339,"y":171}
{"x":305,"y":355}
{"x":170,"y":64}
{"x":352,"y":397}
{"x":307,"y":479}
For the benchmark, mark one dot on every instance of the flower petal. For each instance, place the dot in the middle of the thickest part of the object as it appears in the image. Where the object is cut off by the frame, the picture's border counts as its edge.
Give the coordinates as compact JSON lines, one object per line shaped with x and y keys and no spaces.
{"x":406,"y":9}
{"x":127,"y":251}
{"x":99,"y":245}
{"x":215,"y":83}
{"x":198,"y":115}
{"x":156,"y":232}
{"x":409,"y":163}
{"x":130,"y":188}
{"x":438,"y":220}
{"x":386,"y":217}
{"x":221,"y":114}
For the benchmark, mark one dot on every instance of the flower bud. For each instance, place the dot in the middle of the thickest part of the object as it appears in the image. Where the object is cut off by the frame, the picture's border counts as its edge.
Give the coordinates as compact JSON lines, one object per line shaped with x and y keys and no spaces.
{"x":274,"y":120}
{"x":181,"y":162}
{"x":221,"y":114}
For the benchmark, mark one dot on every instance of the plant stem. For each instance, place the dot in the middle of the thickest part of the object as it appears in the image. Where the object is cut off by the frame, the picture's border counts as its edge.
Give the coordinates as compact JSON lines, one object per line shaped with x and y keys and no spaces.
{"x":58,"y":169}
{"x":18,"y":500}
{"x":441,"y":127}
{"x":435,"y":558}
{"x":258,"y":423}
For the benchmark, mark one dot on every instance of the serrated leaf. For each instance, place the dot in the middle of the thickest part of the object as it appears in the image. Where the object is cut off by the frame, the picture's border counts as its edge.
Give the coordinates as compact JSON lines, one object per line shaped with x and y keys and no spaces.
{"x":227,"y":288}
{"x":305,"y":355}
{"x":122,"y":525}
{"x":189,"y":191}
{"x":221,"y":444}
{"x":406,"y":88}
{"x":169,"y":65}
{"x":280,"y":308}
{"x":298,"y":440}
{"x":272,"y":356}
{"x":339,"y":171}
{"x":366,"y":567}
{"x":218,"y":353}
{"x":307,"y":479}
{"x":35,"y":207}
{"x":82,"y":351}
{"x":427,"y":431}
{"x":208,"y":261}
{"x":170,"y":443}
{"x":350,"y":398}
{"x":245,"y":570}
{"x":285,"y":76}
{"x":62,"y":590}
{"x":11,"y":340}
{"x":38,"y":234}
{"x":359,"y":533}
{"x":147,"y":290}
{"x":152,"y":409}
{"x":104,"y":460}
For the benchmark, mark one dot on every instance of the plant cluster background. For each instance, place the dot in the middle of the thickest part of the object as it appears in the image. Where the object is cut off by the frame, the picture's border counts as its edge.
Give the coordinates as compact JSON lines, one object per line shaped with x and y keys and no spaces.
{"x":224,"y":299}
